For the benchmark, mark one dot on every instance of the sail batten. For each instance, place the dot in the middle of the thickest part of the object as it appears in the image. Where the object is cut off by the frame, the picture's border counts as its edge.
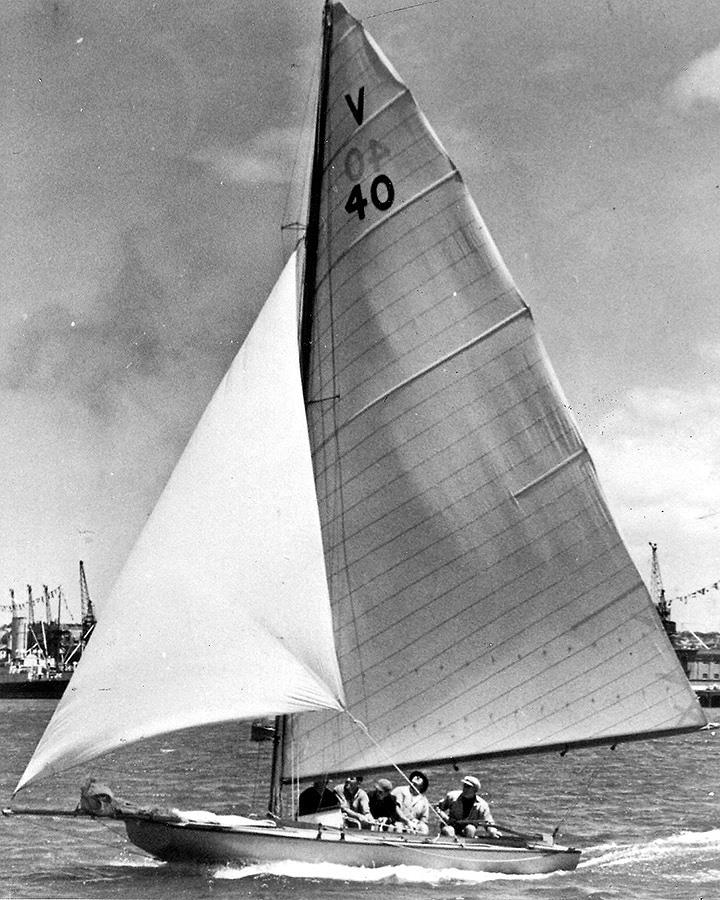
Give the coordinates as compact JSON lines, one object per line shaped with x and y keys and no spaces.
{"x":483,"y":600}
{"x":574,"y":457}
{"x":404,"y":207}
{"x":401,"y":94}
{"x":495,"y":684}
{"x":441,"y":361}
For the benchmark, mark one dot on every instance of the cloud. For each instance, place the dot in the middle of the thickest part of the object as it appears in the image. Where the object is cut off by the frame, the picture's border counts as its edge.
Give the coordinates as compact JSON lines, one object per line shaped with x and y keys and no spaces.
{"x":709,"y":351}
{"x":660,"y":445}
{"x":699,"y":84}
{"x":242,"y":168}
{"x":658,"y":460}
{"x":268,"y":158}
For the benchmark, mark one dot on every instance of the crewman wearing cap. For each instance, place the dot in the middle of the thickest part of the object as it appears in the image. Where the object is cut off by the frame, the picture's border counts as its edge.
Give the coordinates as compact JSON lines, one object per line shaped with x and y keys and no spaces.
{"x":462,"y":811}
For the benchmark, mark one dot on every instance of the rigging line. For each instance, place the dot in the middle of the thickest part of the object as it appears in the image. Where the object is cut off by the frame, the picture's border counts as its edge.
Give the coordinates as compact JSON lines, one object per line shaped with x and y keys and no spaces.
{"x":61,"y":829}
{"x":519,"y":313}
{"x":575,"y":805}
{"x":256,"y":779}
{"x":300,"y":152}
{"x":294,"y":777}
{"x":118,"y":839}
{"x":378,"y":746}
{"x":389,"y":12}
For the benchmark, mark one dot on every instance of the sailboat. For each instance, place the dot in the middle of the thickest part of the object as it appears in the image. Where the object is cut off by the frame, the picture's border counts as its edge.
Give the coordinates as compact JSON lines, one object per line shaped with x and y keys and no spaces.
{"x":392,"y":504}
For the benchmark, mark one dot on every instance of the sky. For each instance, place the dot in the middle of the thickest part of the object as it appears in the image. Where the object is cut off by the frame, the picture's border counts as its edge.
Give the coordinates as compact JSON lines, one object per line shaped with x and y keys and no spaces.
{"x":152,"y":151}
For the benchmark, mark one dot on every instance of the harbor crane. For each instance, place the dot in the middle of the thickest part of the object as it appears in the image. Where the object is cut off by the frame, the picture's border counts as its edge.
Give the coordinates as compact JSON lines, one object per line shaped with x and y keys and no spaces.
{"x":662,"y":604}
{"x":657,"y":590}
{"x":86,"y":607}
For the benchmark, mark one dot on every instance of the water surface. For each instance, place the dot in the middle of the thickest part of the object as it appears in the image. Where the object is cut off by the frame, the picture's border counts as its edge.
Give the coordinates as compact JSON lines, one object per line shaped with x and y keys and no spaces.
{"x":645,"y":814}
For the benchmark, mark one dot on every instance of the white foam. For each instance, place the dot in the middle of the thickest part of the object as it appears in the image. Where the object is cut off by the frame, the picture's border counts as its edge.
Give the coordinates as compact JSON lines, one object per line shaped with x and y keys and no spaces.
{"x":606,"y":855}
{"x":701,"y":877}
{"x":384,"y":874}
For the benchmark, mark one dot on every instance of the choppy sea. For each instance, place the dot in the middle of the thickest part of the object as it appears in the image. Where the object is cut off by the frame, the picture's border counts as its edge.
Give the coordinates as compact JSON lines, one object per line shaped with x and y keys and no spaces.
{"x":645,"y":815}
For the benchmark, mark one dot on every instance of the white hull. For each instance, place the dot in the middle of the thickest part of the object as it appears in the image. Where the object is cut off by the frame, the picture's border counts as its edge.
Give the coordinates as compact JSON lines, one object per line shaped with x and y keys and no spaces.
{"x":212,"y":843}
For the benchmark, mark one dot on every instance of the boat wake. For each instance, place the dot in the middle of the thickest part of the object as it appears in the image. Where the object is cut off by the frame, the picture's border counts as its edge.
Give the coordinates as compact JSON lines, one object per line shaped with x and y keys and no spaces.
{"x":655,"y":851}
{"x":380,"y":875}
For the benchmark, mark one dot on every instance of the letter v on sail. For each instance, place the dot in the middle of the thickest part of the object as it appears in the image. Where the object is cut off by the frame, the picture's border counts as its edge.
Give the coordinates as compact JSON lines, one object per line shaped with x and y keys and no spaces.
{"x":406,"y":527}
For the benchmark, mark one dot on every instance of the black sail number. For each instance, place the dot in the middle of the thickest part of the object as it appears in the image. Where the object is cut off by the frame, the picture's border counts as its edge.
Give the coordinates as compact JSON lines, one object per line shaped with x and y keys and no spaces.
{"x":356,"y":203}
{"x":382,"y":195}
{"x":382,"y":199}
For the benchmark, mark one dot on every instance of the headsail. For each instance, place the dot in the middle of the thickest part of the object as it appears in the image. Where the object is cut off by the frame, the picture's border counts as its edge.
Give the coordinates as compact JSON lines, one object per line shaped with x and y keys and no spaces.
{"x":484,"y":602}
{"x":222,"y":609}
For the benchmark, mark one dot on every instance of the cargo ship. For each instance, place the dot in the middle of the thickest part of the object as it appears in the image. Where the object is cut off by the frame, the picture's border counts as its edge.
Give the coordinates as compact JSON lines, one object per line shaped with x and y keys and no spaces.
{"x":39,"y":653}
{"x":31,"y":679}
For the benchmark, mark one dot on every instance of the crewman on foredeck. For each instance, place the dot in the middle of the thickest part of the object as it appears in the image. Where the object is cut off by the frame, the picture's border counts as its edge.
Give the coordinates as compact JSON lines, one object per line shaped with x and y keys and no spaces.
{"x":353,"y":801}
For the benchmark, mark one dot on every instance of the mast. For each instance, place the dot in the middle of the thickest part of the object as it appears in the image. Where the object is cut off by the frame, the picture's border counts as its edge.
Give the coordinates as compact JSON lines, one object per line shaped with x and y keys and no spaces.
{"x":278,"y":762}
{"x":282,"y":724}
{"x":313,"y":223}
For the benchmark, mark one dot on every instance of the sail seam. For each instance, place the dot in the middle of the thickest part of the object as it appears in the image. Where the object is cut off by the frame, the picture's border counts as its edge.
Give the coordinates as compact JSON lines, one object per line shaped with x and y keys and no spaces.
{"x":452,"y":610}
{"x":563,"y":686}
{"x":550,"y":472}
{"x":366,"y":122}
{"x":591,"y":715}
{"x":452,"y":446}
{"x":453,"y":173}
{"x":457,"y":559}
{"x":356,"y":446}
{"x":560,"y":689}
{"x":438,"y":362}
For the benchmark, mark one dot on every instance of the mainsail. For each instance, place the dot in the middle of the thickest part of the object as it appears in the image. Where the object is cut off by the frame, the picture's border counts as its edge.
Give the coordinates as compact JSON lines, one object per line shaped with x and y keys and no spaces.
{"x":222,"y":609}
{"x":483,"y":600}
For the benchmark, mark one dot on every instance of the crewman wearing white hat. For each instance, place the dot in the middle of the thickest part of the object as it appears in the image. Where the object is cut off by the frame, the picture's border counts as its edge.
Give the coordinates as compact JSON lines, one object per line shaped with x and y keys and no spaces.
{"x":464,"y":810}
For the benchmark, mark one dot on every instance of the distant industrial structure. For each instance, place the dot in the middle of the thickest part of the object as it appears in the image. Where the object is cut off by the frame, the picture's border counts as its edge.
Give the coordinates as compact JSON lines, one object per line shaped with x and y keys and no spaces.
{"x":699,"y":652}
{"x":38,"y":650}
{"x":700,"y":657}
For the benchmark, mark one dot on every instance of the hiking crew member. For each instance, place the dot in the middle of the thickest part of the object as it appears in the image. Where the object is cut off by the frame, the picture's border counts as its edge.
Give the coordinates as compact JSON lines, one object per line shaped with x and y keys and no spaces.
{"x":464,"y":810}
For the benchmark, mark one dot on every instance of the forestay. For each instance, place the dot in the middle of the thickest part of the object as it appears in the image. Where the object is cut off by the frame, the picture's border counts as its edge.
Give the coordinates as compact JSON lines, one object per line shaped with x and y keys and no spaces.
{"x":483,"y":600}
{"x":222,"y":609}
